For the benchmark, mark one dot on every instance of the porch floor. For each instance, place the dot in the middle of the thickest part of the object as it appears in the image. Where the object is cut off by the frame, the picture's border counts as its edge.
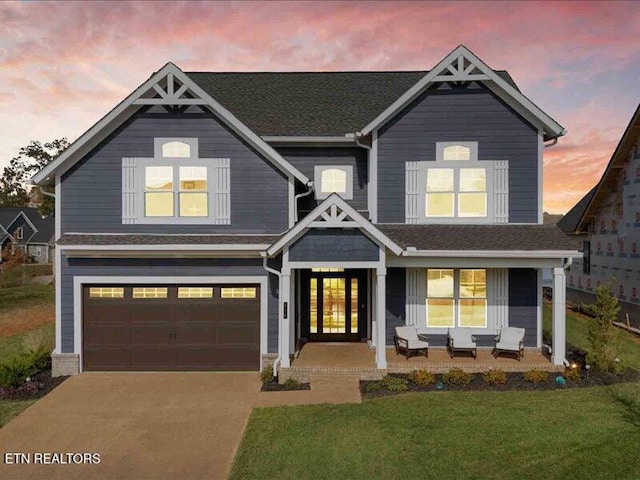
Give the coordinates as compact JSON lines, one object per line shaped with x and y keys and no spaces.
{"x":357,"y":358}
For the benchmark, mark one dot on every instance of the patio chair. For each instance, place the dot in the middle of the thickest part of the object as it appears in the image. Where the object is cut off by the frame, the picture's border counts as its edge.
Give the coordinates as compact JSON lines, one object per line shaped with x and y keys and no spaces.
{"x":510,"y":340}
{"x":461,"y":340}
{"x":408,"y":343}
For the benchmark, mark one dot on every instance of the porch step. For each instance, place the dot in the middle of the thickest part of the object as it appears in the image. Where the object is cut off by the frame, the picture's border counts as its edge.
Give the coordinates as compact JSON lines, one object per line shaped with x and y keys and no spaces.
{"x":306,"y":373}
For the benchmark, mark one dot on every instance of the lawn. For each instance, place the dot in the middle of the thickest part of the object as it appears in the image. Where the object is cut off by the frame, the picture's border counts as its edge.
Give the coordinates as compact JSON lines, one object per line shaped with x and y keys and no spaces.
{"x":26,"y":296}
{"x":561,"y":434}
{"x":12,"y":408}
{"x":577,"y":336}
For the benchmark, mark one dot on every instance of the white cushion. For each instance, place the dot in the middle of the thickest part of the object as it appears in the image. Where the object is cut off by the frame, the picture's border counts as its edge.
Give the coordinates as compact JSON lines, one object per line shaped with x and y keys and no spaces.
{"x":510,"y":338}
{"x":462,"y":338}
{"x":415,"y":344}
{"x":407,"y":333}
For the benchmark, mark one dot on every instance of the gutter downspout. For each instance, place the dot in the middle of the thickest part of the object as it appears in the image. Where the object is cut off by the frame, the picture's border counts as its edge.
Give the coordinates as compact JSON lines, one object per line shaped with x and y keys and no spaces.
{"x":48,"y":194}
{"x":553,"y":142}
{"x":276,"y":362}
{"x":301,"y":195}
{"x":357,"y":137}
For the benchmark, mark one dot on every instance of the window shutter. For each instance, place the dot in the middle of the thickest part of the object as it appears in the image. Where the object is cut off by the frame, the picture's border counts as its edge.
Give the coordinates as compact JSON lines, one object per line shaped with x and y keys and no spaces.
{"x":501,"y":191}
{"x":413,"y":192}
{"x":129,"y":190}
{"x":416,"y":291}
{"x":222,"y":191}
{"x":498,"y":279}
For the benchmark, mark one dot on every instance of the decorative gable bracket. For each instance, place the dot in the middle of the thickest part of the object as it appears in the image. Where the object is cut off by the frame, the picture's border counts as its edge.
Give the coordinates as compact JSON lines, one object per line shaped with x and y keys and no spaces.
{"x":334,"y":217}
{"x":461,"y":69}
{"x":168,"y":90}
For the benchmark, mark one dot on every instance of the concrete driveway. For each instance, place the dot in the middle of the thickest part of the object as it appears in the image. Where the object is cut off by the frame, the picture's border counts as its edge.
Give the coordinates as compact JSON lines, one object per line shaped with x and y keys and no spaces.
{"x":143,"y":425}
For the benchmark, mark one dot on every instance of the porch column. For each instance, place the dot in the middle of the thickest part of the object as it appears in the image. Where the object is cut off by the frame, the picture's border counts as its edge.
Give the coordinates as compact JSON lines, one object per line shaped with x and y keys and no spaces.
{"x":559,"y":317}
{"x":381,"y":321}
{"x":285,"y":322}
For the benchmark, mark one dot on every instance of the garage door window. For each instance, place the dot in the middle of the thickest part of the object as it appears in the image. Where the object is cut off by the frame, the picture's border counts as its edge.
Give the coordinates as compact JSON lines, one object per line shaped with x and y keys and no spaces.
{"x":195,"y":292}
{"x":149,"y":292}
{"x":106,"y":292}
{"x":238,"y":292}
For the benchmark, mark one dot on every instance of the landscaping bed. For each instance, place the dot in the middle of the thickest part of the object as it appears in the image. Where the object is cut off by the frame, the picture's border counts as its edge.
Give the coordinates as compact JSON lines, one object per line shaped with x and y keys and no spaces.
{"x":37,"y":387}
{"x":513,"y":381}
{"x":288,"y":386}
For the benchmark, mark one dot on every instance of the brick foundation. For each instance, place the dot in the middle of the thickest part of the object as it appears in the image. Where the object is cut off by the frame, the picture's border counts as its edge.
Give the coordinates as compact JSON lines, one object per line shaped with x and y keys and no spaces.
{"x":63,"y":364}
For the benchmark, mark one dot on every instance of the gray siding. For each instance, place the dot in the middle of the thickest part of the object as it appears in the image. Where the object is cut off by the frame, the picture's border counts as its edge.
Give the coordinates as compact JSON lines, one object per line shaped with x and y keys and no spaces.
{"x":334,"y":245}
{"x":92,"y":200}
{"x":306,"y":158}
{"x":396,"y":301}
{"x":458,"y":114}
{"x":120,"y":268}
{"x":523,"y":299}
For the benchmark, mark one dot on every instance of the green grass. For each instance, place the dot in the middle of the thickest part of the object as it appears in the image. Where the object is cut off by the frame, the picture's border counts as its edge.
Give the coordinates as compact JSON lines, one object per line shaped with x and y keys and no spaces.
{"x":11,"y":408}
{"x":15,"y":344}
{"x":577,"y":336}
{"x":26,"y":296}
{"x":589,"y":433}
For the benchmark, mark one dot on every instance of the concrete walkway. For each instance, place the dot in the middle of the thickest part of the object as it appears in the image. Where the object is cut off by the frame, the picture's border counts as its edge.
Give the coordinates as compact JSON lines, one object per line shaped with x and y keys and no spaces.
{"x":324,"y":389}
{"x":143,"y":425}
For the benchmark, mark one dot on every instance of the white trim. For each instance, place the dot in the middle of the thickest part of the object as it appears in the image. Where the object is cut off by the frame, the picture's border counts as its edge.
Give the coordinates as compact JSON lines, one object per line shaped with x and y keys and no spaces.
{"x":342,"y":140}
{"x":540,"y":177}
{"x":492,"y":253}
{"x":33,"y":227}
{"x":318,"y":170}
{"x":539,"y":307}
{"x":120,"y":113}
{"x":292,"y":202}
{"x":58,"y":295}
{"x":58,"y":207}
{"x":503,"y":90}
{"x":381,"y":310}
{"x":373,"y":178}
{"x":172,"y":247}
{"x":558,"y":335}
{"x":471,"y":145}
{"x":79,"y":281}
{"x":469,"y":262}
{"x":335,"y":264}
{"x":332,"y":203}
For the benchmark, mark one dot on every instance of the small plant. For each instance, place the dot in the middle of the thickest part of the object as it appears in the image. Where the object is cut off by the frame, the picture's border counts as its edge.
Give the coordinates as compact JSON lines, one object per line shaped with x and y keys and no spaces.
{"x":457,"y":376}
{"x":266,"y":376}
{"x":573,"y":374}
{"x":494,"y":377}
{"x":422,"y":377}
{"x":373,"y":387}
{"x":15,"y":372}
{"x":293,"y":384}
{"x":394,"y":384}
{"x":535,"y":376}
{"x":603,"y":338}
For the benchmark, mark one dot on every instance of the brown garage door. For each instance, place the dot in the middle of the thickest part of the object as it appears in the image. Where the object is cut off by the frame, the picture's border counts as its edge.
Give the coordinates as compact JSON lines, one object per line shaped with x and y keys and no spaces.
{"x":164,"y":327}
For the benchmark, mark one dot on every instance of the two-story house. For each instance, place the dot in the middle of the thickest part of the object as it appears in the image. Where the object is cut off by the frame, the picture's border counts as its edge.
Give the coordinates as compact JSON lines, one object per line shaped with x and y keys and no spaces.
{"x":218,"y":221}
{"x":25,"y":229}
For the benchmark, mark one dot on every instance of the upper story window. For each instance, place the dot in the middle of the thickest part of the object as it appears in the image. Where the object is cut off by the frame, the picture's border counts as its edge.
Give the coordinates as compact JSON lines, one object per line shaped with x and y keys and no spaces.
{"x":19,"y":233}
{"x":456,"y":152}
{"x":334,"y":179}
{"x":176,"y":186}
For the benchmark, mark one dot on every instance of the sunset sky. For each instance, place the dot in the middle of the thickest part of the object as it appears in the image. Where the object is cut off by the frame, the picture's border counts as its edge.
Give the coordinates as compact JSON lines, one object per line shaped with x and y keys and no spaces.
{"x":64,"y":65}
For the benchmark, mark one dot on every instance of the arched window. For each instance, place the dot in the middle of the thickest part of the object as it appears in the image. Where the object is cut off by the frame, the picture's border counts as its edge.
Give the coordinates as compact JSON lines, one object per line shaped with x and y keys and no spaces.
{"x":333,"y":180}
{"x":176,"y":150}
{"x":457,"y":152}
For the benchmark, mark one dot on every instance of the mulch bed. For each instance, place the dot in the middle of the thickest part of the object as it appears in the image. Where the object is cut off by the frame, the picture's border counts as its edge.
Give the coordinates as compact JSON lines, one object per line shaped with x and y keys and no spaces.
{"x":40,"y":384}
{"x":514,"y":382}
{"x":277,"y":387}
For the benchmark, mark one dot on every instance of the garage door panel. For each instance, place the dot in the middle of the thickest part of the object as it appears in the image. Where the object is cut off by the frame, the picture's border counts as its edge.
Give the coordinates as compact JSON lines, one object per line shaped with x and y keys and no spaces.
{"x":172,"y":333}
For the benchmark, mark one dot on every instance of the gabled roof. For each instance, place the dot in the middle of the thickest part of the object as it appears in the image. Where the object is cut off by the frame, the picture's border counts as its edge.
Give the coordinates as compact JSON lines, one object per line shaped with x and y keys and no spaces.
{"x":168,"y":86}
{"x":610,"y":175}
{"x":462,"y":65}
{"x":46,"y":231}
{"x":309,"y":103}
{"x":334,"y":212}
{"x":570,"y":221}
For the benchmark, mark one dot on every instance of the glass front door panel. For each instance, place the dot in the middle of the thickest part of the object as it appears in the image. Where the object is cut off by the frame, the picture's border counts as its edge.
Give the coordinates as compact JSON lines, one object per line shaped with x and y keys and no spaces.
{"x":313,"y":309}
{"x":354,"y":305}
{"x":333,"y":305}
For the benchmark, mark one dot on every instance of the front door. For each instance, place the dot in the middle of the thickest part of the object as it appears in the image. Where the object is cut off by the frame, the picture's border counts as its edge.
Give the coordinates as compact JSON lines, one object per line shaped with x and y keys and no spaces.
{"x":335,"y":305}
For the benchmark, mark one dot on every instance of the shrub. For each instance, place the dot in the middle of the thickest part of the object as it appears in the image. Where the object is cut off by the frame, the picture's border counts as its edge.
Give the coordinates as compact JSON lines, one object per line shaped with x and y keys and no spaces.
{"x":422,"y":377}
{"x":373,"y":387}
{"x":494,"y":377}
{"x":293,"y":384}
{"x":603,"y":338}
{"x":535,"y":376}
{"x":266,"y":376}
{"x":572,"y":374}
{"x":14,"y":372}
{"x":457,"y":376}
{"x":394,"y":384}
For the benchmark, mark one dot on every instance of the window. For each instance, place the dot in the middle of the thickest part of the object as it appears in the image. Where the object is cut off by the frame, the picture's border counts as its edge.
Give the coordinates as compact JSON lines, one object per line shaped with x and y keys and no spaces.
{"x":106,"y":292}
{"x":456,"y":298}
{"x":586,"y":257}
{"x":160,"y":191}
{"x":456,"y":152}
{"x":149,"y":292}
{"x":238,"y":292}
{"x":19,"y":233}
{"x":176,"y":149}
{"x":334,"y":179}
{"x":195,"y":292}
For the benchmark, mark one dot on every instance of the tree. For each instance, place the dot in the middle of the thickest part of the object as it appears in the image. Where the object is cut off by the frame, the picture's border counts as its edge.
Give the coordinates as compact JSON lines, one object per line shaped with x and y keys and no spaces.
{"x":14,"y":187}
{"x":602,"y":335}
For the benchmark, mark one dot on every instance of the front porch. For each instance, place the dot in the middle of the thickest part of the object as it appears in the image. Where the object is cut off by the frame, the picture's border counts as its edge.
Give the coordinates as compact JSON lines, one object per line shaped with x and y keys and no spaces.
{"x":357,"y":359}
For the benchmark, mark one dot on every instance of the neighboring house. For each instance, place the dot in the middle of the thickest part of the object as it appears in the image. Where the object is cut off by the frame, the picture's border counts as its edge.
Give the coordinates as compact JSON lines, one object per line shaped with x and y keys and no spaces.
{"x":24,"y":228}
{"x":606,"y":226}
{"x":216,"y":221}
